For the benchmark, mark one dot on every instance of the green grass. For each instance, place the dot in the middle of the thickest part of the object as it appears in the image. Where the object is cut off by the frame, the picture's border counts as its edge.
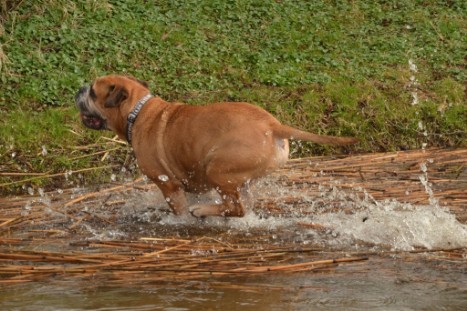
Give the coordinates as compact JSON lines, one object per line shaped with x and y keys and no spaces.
{"x":332,"y":67}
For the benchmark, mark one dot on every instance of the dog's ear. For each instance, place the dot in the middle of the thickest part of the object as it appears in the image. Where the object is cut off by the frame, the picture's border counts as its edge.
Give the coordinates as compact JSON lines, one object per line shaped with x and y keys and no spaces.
{"x":143,"y":83}
{"x":116,"y":96}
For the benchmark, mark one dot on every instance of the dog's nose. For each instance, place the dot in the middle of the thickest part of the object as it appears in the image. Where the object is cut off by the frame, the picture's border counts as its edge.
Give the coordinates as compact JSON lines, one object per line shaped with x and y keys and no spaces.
{"x":83,"y":90}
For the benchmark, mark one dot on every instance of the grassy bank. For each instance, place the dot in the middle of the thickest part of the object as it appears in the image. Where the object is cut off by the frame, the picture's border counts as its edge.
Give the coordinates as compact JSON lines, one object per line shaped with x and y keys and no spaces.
{"x":390,"y":73}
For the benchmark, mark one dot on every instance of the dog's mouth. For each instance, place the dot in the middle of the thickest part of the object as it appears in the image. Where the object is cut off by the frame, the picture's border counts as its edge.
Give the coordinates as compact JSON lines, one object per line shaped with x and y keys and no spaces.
{"x":89,"y":116}
{"x":93,"y":122}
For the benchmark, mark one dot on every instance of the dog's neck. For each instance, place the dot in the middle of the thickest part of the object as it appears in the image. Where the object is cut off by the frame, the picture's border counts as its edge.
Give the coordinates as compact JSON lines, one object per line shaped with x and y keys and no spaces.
{"x":134,"y":114}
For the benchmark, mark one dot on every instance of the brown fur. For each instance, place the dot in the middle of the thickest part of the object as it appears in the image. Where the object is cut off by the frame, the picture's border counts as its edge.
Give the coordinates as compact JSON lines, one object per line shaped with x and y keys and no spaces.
{"x":186,"y":148}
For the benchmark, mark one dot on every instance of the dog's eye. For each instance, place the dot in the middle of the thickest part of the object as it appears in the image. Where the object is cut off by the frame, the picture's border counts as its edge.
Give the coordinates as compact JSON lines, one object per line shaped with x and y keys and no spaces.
{"x":111,"y":88}
{"x":92,"y":93}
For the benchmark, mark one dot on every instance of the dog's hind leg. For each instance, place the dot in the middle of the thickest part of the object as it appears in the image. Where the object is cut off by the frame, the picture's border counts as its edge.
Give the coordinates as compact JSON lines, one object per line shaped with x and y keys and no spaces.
{"x":229,"y":170}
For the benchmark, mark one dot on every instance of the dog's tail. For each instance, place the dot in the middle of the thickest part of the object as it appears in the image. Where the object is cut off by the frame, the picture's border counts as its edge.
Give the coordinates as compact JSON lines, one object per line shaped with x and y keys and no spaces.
{"x":287,"y":132}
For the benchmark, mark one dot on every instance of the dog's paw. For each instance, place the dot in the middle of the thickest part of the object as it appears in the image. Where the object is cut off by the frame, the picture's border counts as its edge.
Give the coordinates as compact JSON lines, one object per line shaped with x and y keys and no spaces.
{"x":197,"y":211}
{"x":201,"y":211}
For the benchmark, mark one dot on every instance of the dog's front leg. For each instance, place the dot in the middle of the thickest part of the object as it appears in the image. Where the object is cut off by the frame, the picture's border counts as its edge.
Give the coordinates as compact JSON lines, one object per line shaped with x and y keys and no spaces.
{"x":174,"y":196}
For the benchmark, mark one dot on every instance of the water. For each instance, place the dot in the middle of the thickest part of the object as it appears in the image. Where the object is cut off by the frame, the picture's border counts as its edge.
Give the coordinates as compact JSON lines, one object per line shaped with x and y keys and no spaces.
{"x":342,"y":222}
{"x":413,"y":84}
{"x":387,"y":223}
{"x":383,"y":284}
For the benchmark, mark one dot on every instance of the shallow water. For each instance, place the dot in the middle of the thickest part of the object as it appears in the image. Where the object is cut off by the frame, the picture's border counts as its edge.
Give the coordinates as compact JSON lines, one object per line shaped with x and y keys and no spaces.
{"x":346,"y":220}
{"x":342,"y":222}
{"x":381,"y":284}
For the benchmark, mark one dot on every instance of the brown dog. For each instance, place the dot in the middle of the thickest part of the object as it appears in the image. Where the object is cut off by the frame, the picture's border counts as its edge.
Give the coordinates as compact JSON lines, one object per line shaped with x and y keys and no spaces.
{"x":186,"y":148}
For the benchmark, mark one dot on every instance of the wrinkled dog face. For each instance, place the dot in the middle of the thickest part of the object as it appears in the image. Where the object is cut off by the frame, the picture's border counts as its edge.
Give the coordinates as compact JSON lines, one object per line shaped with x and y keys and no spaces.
{"x":90,"y":115}
{"x":97,"y":101}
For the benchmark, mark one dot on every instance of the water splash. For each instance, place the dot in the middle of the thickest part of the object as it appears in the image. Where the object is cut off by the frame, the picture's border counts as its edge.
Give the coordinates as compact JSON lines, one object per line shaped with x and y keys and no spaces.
{"x":163,"y":178}
{"x":424,"y":181}
{"x":388,"y":223}
{"x":44,"y":151}
{"x":413,"y":84}
{"x":341,"y":218}
{"x":401,"y":226}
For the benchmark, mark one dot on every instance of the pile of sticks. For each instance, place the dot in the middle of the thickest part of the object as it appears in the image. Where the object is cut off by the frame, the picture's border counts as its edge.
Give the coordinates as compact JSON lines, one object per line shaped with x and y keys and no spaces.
{"x":156,"y":259}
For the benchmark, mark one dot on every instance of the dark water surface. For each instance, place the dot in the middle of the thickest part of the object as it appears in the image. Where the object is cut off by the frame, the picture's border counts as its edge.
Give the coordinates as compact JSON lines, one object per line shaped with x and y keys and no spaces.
{"x":378,"y":284}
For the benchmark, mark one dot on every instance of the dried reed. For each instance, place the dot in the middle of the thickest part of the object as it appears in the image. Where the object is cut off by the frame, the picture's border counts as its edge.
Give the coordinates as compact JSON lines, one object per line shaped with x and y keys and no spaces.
{"x":25,"y":247}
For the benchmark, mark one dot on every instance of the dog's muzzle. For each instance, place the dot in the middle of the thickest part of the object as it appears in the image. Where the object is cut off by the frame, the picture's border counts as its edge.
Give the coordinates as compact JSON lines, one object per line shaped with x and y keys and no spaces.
{"x":90,"y":117}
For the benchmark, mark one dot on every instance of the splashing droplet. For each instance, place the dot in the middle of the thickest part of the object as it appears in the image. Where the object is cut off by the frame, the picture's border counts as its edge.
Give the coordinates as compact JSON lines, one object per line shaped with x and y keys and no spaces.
{"x":163,"y":178}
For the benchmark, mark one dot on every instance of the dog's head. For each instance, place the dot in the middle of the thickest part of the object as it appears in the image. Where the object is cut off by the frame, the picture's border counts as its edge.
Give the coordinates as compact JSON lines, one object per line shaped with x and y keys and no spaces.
{"x":106,"y":103}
